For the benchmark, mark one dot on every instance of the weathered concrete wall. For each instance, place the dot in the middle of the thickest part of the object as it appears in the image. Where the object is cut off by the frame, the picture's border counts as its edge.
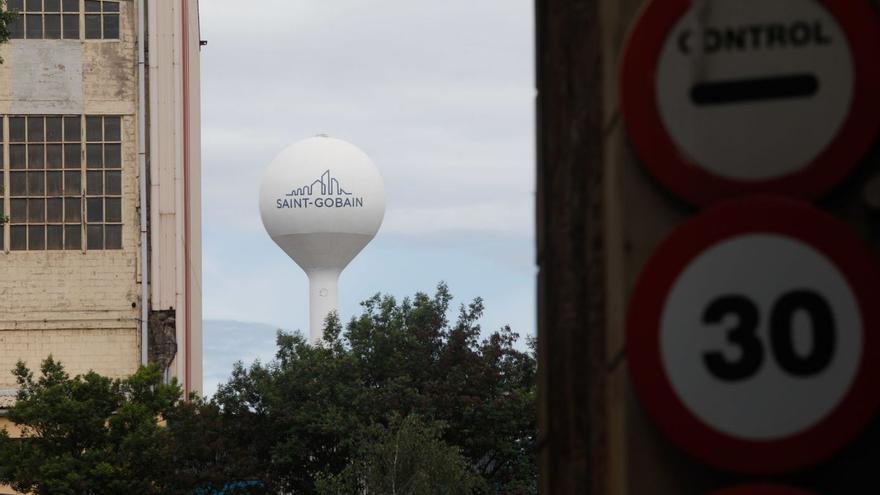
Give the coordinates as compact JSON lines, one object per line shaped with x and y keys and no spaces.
{"x":81,"y":307}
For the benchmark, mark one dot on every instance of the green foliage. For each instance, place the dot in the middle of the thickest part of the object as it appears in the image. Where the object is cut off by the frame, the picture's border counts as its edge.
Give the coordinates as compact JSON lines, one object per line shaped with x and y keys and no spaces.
{"x":406,"y":458}
{"x":5,"y":18}
{"x":86,"y":434}
{"x":394,"y":360}
{"x":400,"y":401}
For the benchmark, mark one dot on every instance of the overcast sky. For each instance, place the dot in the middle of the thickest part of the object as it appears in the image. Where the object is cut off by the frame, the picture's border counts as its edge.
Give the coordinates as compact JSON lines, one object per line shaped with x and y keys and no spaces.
{"x":439,"y":94}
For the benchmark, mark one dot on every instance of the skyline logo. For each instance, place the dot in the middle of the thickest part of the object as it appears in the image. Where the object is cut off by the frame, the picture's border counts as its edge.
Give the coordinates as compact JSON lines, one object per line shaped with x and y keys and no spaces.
{"x":328,"y":190}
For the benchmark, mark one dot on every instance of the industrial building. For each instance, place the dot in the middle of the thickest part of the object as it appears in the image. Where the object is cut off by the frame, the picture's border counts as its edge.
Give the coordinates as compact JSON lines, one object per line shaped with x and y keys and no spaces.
{"x":100,"y":262}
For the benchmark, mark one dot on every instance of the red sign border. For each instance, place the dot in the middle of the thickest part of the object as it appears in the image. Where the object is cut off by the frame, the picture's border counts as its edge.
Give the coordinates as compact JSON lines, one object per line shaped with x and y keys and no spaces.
{"x":656,"y":148}
{"x":728,"y":219}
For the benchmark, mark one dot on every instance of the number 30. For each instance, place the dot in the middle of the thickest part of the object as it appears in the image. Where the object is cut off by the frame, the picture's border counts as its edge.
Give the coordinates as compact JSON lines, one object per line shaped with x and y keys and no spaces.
{"x":781,"y":335}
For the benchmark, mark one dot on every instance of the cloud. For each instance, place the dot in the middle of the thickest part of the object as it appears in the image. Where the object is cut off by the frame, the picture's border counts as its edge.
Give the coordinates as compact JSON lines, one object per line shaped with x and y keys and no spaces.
{"x":439,"y":94}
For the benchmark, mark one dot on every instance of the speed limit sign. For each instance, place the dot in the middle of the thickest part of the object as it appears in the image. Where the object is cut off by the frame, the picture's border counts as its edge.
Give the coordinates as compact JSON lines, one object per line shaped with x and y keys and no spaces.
{"x":751,"y":336}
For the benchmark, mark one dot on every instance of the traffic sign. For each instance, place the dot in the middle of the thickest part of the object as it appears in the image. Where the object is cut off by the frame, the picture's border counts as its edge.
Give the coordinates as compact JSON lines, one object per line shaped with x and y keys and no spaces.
{"x":724,"y":98}
{"x":752,"y":336}
{"x":762,"y":490}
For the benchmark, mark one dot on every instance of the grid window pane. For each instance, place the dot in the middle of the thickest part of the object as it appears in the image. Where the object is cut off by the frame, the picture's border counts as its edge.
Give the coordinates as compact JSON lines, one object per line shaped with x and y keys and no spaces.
{"x":72,"y":210}
{"x":52,"y":5}
{"x":55,"y":210}
{"x":34,"y":5}
{"x":113,"y":183}
{"x":112,"y":156}
{"x":72,"y":237}
{"x":113,"y":238}
{"x":93,"y":28}
{"x":17,"y":5}
{"x":111,"y":26}
{"x":110,"y":6}
{"x":33,"y":26}
{"x":72,"y":156}
{"x":17,"y":156}
{"x":18,"y":237}
{"x":94,"y":156}
{"x":72,"y":183}
{"x":72,"y":129}
{"x":94,"y":183}
{"x":71,"y":26}
{"x":95,"y":210}
{"x":95,"y":236}
{"x":18,"y":183}
{"x":70,"y":5}
{"x":16,"y":28}
{"x":94,"y":130}
{"x":113,"y":210}
{"x":35,"y":130}
{"x":18,"y":211}
{"x":35,"y":183}
{"x":36,"y":237}
{"x":53,"y":26}
{"x":54,"y":184}
{"x":53,"y":129}
{"x":35,"y":155}
{"x":54,"y":237}
{"x":112,"y":129}
{"x":36,"y":210}
{"x":53,"y":156}
{"x":17,"y":129}
{"x":93,"y":5}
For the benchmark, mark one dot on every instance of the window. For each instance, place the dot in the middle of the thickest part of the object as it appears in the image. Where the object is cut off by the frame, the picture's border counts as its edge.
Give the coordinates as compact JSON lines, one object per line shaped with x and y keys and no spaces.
{"x":57,"y":200}
{"x":102,"y":20}
{"x":103,"y":183}
{"x":60,"y":19}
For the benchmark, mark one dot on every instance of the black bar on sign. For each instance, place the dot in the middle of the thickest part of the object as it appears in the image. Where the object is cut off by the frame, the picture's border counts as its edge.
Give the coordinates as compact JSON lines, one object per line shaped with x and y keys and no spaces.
{"x":766,"y":88}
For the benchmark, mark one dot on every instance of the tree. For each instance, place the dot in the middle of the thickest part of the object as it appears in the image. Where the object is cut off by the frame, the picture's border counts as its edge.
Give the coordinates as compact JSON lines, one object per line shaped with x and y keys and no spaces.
{"x":406,"y":458}
{"x":401,"y":401}
{"x":394,"y":360}
{"x":87,"y":434}
{"x":6,"y":17}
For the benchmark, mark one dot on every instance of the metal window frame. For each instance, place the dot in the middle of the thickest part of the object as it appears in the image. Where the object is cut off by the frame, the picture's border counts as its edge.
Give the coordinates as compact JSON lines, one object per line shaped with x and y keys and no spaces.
{"x":83,"y":195}
{"x":82,"y":21}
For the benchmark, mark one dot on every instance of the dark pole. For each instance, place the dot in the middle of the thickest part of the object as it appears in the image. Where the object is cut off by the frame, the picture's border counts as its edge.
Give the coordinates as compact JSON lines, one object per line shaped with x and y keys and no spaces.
{"x":569,"y":250}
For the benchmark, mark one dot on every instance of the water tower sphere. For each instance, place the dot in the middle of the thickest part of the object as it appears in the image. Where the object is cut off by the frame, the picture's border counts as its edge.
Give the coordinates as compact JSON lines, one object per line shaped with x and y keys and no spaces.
{"x":322,"y":200}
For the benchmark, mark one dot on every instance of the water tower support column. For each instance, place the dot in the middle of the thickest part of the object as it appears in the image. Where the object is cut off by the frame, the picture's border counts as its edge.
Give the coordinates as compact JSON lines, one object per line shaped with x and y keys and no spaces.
{"x":322,"y":300}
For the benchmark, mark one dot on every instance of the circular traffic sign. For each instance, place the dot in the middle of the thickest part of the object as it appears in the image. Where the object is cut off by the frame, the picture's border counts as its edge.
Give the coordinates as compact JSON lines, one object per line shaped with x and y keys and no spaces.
{"x":750,"y":336}
{"x":762,"y":490}
{"x":724,"y":98}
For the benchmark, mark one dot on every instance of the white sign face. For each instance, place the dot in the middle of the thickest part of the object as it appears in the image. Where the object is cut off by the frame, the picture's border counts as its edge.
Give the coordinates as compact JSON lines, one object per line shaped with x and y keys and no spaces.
{"x":733,"y":98}
{"x":753,"y":89}
{"x":761,"y":337}
{"x":750,"y":336}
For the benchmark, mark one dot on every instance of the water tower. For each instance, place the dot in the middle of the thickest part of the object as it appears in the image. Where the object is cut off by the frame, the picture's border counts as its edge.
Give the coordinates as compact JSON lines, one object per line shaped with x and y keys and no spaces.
{"x":322,"y":200}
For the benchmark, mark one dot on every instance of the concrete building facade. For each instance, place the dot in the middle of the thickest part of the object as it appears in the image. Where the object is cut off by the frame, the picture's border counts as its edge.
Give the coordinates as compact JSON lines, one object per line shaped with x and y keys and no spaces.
{"x":100,"y":261}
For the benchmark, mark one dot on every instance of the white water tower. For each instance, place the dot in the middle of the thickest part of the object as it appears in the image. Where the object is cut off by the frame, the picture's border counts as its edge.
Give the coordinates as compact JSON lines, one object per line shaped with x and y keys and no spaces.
{"x":322,"y":200}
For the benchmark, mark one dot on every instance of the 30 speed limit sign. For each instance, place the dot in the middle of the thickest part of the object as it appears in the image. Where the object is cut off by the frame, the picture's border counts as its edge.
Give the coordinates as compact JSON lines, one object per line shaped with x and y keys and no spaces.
{"x":752,"y":336}
{"x":726,"y":98}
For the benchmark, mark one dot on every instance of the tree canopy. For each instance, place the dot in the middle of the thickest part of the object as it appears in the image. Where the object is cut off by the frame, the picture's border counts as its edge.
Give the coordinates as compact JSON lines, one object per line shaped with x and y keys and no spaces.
{"x":6,"y":17}
{"x":396,"y":359}
{"x":401,"y":400}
